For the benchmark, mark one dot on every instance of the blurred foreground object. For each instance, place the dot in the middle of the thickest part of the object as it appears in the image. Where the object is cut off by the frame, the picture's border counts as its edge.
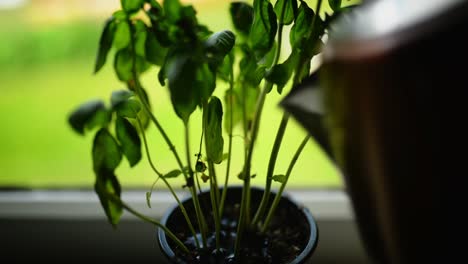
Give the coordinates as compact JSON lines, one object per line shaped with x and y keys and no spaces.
{"x":388,"y":66}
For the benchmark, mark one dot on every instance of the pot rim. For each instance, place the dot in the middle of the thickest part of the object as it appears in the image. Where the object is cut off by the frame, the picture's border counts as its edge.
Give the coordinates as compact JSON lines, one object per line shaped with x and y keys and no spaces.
{"x":305,"y":253}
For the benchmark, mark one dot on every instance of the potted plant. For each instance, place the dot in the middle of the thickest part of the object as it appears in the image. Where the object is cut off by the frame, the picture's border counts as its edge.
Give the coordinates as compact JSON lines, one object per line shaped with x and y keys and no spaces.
{"x":224,"y":224}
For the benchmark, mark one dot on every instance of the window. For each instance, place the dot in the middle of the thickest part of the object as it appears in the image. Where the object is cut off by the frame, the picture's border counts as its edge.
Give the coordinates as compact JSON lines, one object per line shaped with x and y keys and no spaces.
{"x":47,"y":55}
{"x":46,"y":61}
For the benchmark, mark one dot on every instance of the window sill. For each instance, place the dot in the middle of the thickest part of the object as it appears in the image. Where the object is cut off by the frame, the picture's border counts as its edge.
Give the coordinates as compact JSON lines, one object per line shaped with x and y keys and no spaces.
{"x":331,"y":205}
{"x":71,"y":224}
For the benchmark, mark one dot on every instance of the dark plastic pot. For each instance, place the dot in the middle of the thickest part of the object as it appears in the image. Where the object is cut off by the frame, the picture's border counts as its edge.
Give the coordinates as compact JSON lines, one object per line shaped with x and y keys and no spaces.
{"x":296,"y":214}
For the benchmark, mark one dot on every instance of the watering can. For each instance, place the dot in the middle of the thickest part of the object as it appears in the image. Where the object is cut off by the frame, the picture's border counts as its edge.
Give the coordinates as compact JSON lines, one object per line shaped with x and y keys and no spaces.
{"x":375,"y":106}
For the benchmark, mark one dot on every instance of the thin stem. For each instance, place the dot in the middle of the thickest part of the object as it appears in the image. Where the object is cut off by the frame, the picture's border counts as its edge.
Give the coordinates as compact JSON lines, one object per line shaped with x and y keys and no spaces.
{"x":160,"y":176}
{"x":271,"y":166}
{"x":145,"y":218}
{"x":139,"y":91}
{"x":228,"y":166}
{"x":196,"y":202}
{"x":142,"y":98}
{"x":279,"y":137}
{"x":246,"y":173}
{"x":244,"y":218}
{"x":198,"y":158}
{"x":283,"y":185}
{"x":214,"y":204}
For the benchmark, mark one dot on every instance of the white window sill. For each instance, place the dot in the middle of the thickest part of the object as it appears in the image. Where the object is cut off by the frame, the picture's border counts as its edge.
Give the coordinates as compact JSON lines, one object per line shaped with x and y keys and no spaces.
{"x":330,"y":205}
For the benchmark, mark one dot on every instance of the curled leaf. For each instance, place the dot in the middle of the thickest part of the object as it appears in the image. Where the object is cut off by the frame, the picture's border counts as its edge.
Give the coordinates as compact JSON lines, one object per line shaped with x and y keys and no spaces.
{"x":204,"y":177}
{"x":290,"y":11}
{"x":200,"y":166}
{"x":131,"y":6}
{"x":89,"y":115}
{"x":263,"y":30}
{"x":105,"y":43}
{"x":120,"y":96}
{"x":213,"y":131}
{"x":279,"y":178}
{"x":172,"y":174}
{"x":242,"y":16}
{"x":108,"y":189}
{"x":128,"y":137}
{"x":106,"y":152}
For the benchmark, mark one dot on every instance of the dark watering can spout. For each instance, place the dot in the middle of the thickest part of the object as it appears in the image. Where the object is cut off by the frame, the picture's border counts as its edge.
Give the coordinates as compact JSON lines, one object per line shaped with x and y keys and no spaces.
{"x":305,"y":104}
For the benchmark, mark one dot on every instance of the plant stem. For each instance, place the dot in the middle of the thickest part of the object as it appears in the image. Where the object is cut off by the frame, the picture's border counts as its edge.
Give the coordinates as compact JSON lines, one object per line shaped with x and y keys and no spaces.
{"x":214,"y":204}
{"x":198,"y":158}
{"x":181,"y":205}
{"x":278,"y":140}
{"x":149,"y":220}
{"x":196,"y":202}
{"x":246,"y":172}
{"x":271,"y":167}
{"x":283,"y":185}
{"x":145,"y":104}
{"x":244,"y":217}
{"x":228,"y":166}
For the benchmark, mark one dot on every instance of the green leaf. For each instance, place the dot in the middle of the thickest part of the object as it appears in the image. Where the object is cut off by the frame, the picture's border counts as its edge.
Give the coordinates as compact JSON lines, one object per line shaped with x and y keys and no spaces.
{"x":131,"y":6}
{"x":335,"y":5}
{"x":236,"y":111}
{"x":242,"y":16}
{"x":155,"y":52}
{"x":290,"y":11}
{"x":279,"y":75}
{"x":101,"y":119}
{"x":172,"y":9}
{"x":124,"y":106}
{"x":105,"y":43}
{"x":263,"y":31}
{"x":250,"y":102}
{"x":120,"y":15}
{"x":107,"y":186}
{"x":122,"y":35}
{"x":130,"y":108}
{"x":154,"y":4}
{"x":205,"y":177}
{"x":213,"y":131}
{"x":302,"y":28}
{"x":123,"y":64}
{"x":143,"y":116}
{"x":129,"y":140}
{"x":220,"y":43}
{"x":181,"y":73}
{"x":279,"y":178}
{"x":172,"y":174}
{"x":140,"y":38}
{"x":106,"y":152}
{"x":88,"y":115}
{"x":305,"y":71}
{"x":200,"y":166}
{"x":205,"y":82}
{"x":120,"y":96}
{"x":225,"y":69}
{"x":251,"y":71}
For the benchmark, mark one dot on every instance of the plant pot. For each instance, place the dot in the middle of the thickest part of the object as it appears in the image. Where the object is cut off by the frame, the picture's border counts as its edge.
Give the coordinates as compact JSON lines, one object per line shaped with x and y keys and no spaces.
{"x":293,"y":242}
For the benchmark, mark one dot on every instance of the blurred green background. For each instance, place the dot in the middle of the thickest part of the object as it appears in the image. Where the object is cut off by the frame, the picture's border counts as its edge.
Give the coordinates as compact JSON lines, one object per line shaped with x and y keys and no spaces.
{"x":47,"y":52}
